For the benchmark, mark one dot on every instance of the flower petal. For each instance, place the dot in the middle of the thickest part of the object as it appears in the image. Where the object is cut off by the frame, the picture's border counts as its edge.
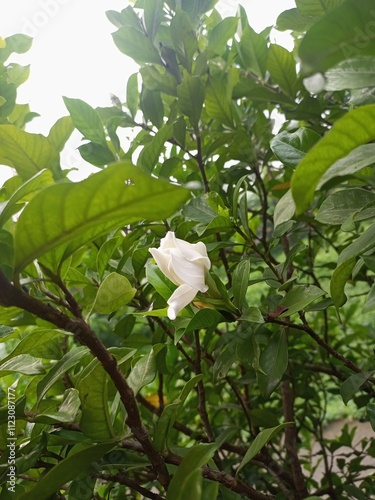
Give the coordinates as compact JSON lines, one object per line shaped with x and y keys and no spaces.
{"x":191,"y":273}
{"x":179,"y":299}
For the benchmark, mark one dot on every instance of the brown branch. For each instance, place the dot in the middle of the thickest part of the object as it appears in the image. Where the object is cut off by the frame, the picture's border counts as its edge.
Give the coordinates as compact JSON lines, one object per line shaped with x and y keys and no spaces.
{"x":291,"y":441}
{"x":12,"y":296}
{"x":122,"y":479}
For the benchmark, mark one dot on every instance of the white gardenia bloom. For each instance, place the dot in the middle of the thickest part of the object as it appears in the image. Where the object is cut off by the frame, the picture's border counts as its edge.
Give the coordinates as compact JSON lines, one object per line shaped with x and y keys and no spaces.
{"x":186,"y":265}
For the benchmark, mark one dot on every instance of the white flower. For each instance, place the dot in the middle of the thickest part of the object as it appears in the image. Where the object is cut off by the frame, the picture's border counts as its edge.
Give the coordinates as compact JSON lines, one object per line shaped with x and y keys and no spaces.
{"x":314,"y":83}
{"x":186,"y":265}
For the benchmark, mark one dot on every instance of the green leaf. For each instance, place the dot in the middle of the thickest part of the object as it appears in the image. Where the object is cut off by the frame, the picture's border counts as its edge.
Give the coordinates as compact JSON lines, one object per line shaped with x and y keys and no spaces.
{"x":293,"y":20}
{"x":144,"y":371}
{"x":191,"y":94}
{"x":131,"y":42}
{"x":170,"y":414}
{"x":252,"y":51}
{"x":284,"y":210}
{"x":132,"y":93}
{"x":55,"y":374}
{"x":67,"y":411}
{"x":341,"y":205}
{"x":39,"y":342}
{"x":96,"y":154}
{"x":15,"y":43}
{"x":370,"y":300}
{"x":18,"y":74}
{"x":299,"y":298}
{"x":338,"y":280}
{"x":343,"y":33}
{"x":357,"y":127}
{"x":261,"y":440}
{"x":105,"y":253}
{"x":222,"y":32}
{"x":290,"y":148}
{"x":23,"y":363}
{"x":153,"y":16}
{"x":95,"y":420}
{"x":114,"y":293}
{"x":219,"y":102}
{"x":60,"y":132}
{"x":73,"y":214}
{"x":273,"y":362}
{"x":355,"y":73}
{"x":162,"y":285}
{"x":149,"y":155}
{"x":352,"y":384}
{"x":184,"y":39}
{"x":355,"y":161}
{"x":154,"y":80}
{"x":86,"y":120}
{"x":186,"y":483}
{"x":241,"y":277}
{"x":27,"y":153}
{"x":76,"y":464}
{"x":152,"y":107}
{"x":24,"y":193}
{"x":204,"y":318}
{"x":282,"y":67}
{"x":370,"y":410}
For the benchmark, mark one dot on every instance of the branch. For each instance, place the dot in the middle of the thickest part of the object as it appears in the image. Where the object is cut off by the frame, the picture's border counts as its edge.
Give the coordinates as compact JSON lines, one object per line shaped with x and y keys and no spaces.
{"x":12,"y":296}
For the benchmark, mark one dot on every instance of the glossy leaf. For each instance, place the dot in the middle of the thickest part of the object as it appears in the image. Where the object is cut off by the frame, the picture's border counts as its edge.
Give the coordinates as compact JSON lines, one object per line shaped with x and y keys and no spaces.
{"x":284,"y":210}
{"x":72,"y":214}
{"x":338,"y":280}
{"x":27,"y":153}
{"x":241,"y":277}
{"x":273,"y":362}
{"x":143,"y":373}
{"x":299,"y":298}
{"x":114,"y":292}
{"x":55,"y":374}
{"x":66,"y":412}
{"x":95,"y":421}
{"x":352,"y":384}
{"x":357,"y":127}
{"x":261,"y":440}
{"x":186,"y":483}
{"x":69,"y":468}
{"x":23,"y":363}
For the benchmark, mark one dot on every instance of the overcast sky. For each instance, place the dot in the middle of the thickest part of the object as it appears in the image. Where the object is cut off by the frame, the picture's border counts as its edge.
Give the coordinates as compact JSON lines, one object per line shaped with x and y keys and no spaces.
{"x":73,"y":53}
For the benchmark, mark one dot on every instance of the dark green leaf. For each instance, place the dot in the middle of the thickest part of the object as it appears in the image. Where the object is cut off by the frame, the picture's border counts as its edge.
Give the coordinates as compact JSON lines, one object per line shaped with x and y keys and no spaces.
{"x":290,"y":148}
{"x":260,"y":440}
{"x":77,"y":463}
{"x":341,"y":205}
{"x":299,"y":298}
{"x":353,"y":384}
{"x":274,"y":362}
{"x":241,"y":277}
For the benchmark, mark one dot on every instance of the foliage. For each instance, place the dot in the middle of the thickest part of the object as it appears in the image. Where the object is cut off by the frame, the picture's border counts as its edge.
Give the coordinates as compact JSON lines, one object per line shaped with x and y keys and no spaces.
{"x":111,"y":399}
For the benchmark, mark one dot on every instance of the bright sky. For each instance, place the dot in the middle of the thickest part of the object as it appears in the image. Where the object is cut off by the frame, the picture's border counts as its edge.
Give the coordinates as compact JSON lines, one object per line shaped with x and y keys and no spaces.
{"x":73,"y":53}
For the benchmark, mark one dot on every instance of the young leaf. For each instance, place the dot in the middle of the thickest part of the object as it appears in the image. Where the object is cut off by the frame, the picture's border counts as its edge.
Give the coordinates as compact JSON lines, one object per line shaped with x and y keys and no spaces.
{"x":114,"y":292}
{"x":60,"y":132}
{"x":143,"y":373}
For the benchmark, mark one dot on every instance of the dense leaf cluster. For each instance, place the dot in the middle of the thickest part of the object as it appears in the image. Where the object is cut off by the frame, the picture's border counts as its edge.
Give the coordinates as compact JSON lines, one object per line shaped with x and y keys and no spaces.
{"x":265,"y":155}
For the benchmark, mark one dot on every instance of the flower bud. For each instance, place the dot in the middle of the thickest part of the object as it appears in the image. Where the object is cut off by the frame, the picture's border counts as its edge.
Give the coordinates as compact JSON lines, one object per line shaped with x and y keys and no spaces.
{"x":186,"y":265}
